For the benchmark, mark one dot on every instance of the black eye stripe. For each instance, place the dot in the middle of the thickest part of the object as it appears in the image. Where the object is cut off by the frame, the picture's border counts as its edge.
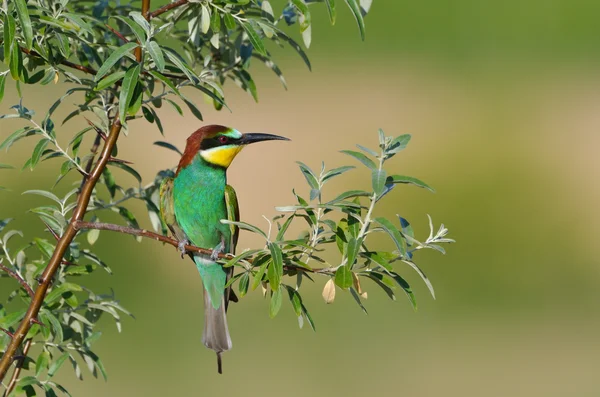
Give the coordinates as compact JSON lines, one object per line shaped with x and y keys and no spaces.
{"x":210,"y":143}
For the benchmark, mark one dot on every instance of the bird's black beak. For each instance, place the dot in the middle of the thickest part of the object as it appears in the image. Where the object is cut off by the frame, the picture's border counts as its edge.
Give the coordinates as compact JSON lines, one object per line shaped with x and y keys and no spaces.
{"x":258,"y":137}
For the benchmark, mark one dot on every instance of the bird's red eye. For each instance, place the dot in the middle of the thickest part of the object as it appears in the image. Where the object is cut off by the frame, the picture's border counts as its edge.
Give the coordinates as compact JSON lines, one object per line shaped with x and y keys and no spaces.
{"x":223,"y":139}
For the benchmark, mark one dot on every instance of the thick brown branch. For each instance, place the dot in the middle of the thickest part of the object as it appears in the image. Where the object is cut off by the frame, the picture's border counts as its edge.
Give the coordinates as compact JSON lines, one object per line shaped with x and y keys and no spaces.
{"x":16,"y":276}
{"x":61,"y":247}
{"x":166,"y":8}
{"x":145,"y":10}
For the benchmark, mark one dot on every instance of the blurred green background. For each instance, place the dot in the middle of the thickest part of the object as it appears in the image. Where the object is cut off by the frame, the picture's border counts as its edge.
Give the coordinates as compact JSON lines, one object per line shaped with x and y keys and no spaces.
{"x":503,"y":102}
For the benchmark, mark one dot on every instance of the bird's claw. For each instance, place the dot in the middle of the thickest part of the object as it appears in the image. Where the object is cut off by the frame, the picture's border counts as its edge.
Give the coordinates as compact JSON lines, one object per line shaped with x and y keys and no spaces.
{"x":214,"y":256}
{"x":181,"y":247}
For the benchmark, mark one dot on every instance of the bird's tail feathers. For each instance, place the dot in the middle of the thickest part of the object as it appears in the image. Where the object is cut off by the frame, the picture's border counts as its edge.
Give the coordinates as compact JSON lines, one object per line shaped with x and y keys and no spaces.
{"x":216,"y":332}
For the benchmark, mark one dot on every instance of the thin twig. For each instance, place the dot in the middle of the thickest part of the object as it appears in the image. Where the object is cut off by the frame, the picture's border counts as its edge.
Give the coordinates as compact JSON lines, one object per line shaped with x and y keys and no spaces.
{"x":80,"y":225}
{"x":19,"y":366}
{"x":65,"y":62}
{"x":20,"y":279}
{"x":7,"y":332}
{"x":166,"y":8}
{"x":117,"y":33}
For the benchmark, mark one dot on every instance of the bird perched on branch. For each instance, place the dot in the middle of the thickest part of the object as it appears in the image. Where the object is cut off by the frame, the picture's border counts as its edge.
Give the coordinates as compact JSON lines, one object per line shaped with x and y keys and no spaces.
{"x":193,"y":203}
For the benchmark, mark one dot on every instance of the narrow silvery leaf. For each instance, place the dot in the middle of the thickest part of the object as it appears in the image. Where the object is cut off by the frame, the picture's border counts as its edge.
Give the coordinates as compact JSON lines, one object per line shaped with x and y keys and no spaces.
{"x":92,"y":236}
{"x":2,"y":84}
{"x":156,"y":54}
{"x":140,"y":20}
{"x":137,"y":30}
{"x":127,"y":90}
{"x":423,"y":276}
{"x":358,"y":16}
{"x":114,"y":58}
{"x":378,"y":178}
{"x":276,"y":269}
{"x":362,"y":158}
{"x":397,"y":145}
{"x":331,"y":10}
{"x":275,"y":305}
{"x":394,"y":233}
{"x":409,"y":180}
{"x":21,"y":6}
{"x":254,"y":38}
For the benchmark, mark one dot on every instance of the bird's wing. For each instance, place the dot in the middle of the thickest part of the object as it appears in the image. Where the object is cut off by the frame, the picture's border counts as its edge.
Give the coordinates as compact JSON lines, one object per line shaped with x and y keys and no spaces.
{"x":233,"y":214}
{"x":167,"y":209}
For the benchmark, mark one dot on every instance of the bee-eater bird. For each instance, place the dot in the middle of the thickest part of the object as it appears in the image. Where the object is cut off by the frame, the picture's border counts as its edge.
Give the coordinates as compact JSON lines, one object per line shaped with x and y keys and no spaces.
{"x":193,"y":203}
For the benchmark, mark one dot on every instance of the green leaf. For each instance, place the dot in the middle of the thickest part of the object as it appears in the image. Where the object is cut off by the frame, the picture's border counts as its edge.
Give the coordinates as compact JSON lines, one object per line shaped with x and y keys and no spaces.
{"x":258,"y":276}
{"x":245,"y":226}
{"x":55,"y":366}
{"x":9,"y":36}
{"x":169,"y":146}
{"x":114,"y":57}
{"x":275,"y":305}
{"x":16,"y":63}
{"x":331,"y":10}
{"x":350,"y":194}
{"x":44,"y":193}
{"x":193,"y":108}
{"x":357,"y":299}
{"x":380,"y":258}
{"x":362,"y":158}
{"x":343,"y":277}
{"x":165,"y":80}
{"x":109,"y":80}
{"x":335,"y":172}
{"x":352,"y":251}
{"x":394,"y":234}
{"x":127,"y":89}
{"x":26,"y":28}
{"x":42,"y":363}
{"x":2,"y":84}
{"x":406,"y":288}
{"x":11,"y":319}
{"x":243,"y":285}
{"x":358,"y":16}
{"x":310,"y":176}
{"x":37,"y":152}
{"x":254,"y":38}
{"x":284,"y":228}
{"x":378,"y":178}
{"x":229,"y":21}
{"x":185,"y":69}
{"x":397,"y":145}
{"x":423,"y":276}
{"x":137,"y":30}
{"x":140,"y":20}
{"x":303,"y":8}
{"x":57,"y":292}
{"x":156,"y":54}
{"x":409,"y":180}
{"x":275,"y":272}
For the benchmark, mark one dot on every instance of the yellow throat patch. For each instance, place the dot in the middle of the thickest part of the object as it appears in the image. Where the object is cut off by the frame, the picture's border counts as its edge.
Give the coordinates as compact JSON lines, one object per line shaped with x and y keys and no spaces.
{"x":221,"y":155}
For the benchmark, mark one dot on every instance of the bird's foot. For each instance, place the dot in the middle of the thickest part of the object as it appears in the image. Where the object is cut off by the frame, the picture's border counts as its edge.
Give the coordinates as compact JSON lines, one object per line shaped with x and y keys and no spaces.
{"x":219,"y":249}
{"x":181,"y":247}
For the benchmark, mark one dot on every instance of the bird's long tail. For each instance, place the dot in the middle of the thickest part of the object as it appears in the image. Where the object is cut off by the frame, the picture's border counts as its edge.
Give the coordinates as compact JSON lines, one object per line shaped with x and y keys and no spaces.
{"x":216,"y":333}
